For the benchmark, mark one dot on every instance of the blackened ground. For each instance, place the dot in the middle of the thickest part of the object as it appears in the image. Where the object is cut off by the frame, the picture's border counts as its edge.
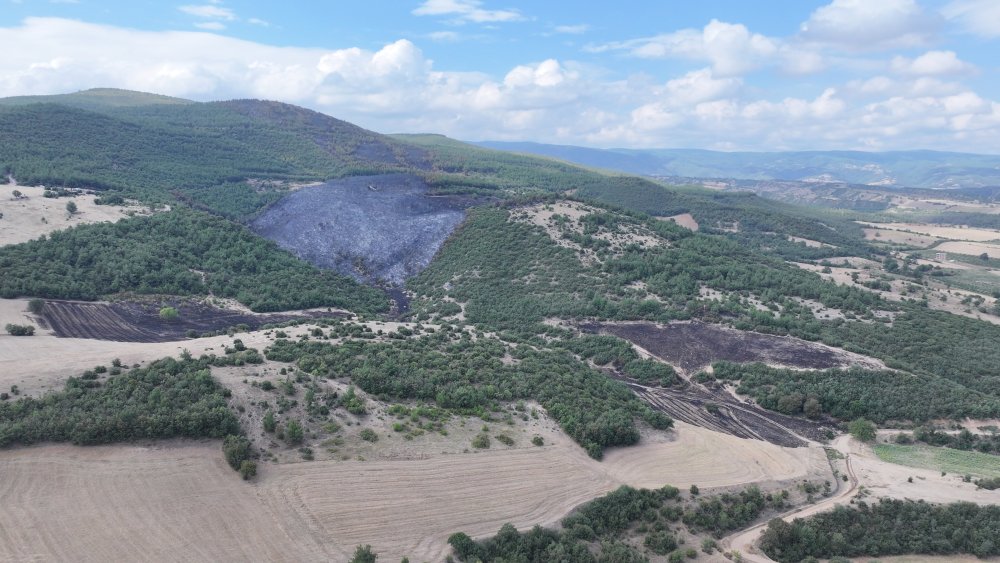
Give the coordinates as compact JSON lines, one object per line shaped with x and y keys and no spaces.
{"x":377,"y":229}
{"x":693,"y":346}
{"x":133,"y":321}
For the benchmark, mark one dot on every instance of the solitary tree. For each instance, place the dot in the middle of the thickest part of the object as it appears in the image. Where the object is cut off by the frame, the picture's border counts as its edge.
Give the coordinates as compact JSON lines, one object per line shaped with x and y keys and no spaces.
{"x":364,"y":554}
{"x":168,"y":313}
{"x":862,"y":429}
{"x":70,"y":207}
{"x":17,"y":194}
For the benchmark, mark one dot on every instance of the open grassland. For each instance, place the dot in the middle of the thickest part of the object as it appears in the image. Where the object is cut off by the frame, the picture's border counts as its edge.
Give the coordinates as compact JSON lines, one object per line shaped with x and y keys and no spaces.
{"x":180,"y":502}
{"x":941,"y":459}
{"x":30,"y":217}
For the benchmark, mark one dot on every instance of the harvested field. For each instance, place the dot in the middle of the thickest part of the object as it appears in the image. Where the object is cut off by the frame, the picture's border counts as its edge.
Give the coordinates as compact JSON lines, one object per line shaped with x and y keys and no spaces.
{"x":180,"y":502}
{"x":377,"y":229}
{"x":900,"y":237}
{"x":33,"y":216}
{"x":810,"y":243}
{"x":693,"y":346}
{"x":970,"y":248}
{"x":972,"y":234}
{"x":129,"y":503}
{"x":685,"y":220}
{"x":130,"y":321}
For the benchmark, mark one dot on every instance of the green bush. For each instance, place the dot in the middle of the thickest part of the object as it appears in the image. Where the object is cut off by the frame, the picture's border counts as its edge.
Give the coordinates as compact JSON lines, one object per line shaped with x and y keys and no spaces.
{"x":248,"y":469}
{"x":660,"y":543}
{"x":20,"y":330}
{"x":481,"y":441}
{"x":294,"y":433}
{"x":368,"y":435}
{"x":236,"y":450}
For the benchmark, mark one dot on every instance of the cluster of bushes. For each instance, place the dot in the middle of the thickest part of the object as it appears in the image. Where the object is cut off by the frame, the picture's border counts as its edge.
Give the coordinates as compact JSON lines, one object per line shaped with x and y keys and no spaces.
{"x":19,"y":330}
{"x":890,"y":527}
{"x":595,"y":532}
{"x":963,"y":440}
{"x":169,"y":398}
{"x":852,"y":393}
{"x":451,"y":370}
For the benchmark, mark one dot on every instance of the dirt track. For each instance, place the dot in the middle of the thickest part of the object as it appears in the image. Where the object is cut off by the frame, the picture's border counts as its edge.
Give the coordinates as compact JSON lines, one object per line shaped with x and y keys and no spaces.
{"x":180,"y":502}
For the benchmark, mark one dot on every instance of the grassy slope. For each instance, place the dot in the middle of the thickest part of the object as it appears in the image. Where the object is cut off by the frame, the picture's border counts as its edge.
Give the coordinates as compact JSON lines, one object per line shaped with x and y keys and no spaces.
{"x":940,"y":459}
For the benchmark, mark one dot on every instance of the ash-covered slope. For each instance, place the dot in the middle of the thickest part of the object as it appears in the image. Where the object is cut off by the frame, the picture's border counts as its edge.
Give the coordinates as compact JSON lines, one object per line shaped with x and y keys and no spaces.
{"x":377,"y":229}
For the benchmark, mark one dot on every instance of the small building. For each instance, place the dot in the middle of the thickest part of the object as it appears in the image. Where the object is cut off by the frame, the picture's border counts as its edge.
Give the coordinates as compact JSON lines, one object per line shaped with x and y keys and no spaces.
{"x":941,"y":256}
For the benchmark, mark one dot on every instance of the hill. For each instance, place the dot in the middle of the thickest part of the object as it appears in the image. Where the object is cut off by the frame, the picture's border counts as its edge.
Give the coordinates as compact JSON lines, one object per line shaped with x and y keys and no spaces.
{"x":915,"y":169}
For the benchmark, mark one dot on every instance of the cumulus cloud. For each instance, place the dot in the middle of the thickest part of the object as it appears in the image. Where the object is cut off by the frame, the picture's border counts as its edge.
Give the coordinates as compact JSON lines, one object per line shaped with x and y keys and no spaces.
{"x":908,"y":103}
{"x":862,"y":25}
{"x":730,"y":48}
{"x":462,"y":11}
{"x":981,"y":17}
{"x":931,"y":63}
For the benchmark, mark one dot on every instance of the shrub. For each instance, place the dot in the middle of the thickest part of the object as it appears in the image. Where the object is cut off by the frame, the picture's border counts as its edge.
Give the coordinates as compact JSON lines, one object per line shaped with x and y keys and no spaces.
{"x":481,"y":441}
{"x":169,"y":313}
{"x":294,"y":433}
{"x":71,"y":207}
{"x":694,"y":490}
{"x":36,"y":305}
{"x":248,"y":469}
{"x":862,"y":429}
{"x":269,"y":423}
{"x":236,"y":450}
{"x":364,"y":554}
{"x":20,"y":330}
{"x":505,"y":440}
{"x":537,"y":440}
{"x":660,"y":543}
{"x":369,"y":435}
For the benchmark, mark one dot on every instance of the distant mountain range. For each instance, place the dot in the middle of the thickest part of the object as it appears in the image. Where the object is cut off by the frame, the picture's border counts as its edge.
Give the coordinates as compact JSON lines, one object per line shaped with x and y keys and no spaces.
{"x":915,"y":169}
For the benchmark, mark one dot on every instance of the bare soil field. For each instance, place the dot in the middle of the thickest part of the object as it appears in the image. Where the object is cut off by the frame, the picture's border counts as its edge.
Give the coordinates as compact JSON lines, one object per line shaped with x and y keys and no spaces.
{"x":685,"y":220}
{"x":970,"y":248}
{"x":692,"y":346}
{"x":971,"y":234}
{"x":810,"y":243}
{"x":900,"y":237}
{"x":140,"y":321}
{"x":30,"y":217}
{"x":180,"y":502}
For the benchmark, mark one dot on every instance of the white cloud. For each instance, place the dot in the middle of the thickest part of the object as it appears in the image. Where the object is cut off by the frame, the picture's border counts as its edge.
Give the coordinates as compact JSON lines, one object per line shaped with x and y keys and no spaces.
{"x":981,"y":17}
{"x":466,"y":11}
{"x":258,"y":21}
{"x":444,"y":36}
{"x":572,"y":29}
{"x":862,"y":25}
{"x":730,"y":48}
{"x":211,"y":26}
{"x":208,"y":11}
{"x":397,"y":88}
{"x":931,"y":63}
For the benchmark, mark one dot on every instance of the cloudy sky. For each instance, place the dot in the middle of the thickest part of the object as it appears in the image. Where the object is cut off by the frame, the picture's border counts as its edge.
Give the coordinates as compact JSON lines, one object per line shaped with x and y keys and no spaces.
{"x":729,"y":75}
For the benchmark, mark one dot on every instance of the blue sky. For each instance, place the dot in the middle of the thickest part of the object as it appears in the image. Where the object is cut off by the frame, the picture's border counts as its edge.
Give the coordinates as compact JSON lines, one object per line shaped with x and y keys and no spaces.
{"x":762,"y":75}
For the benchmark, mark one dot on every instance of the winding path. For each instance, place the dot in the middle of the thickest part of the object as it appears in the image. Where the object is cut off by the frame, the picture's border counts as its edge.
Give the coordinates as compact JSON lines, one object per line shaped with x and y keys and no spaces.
{"x":744,"y":541}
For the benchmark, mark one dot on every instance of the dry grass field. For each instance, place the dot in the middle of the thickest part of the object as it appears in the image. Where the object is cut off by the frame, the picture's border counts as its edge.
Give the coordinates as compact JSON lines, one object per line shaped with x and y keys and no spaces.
{"x":31,"y":217}
{"x":178,"y":501}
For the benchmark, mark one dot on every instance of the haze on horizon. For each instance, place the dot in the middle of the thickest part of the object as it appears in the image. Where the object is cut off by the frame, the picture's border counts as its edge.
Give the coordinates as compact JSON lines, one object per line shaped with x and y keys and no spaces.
{"x":812,"y":75}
